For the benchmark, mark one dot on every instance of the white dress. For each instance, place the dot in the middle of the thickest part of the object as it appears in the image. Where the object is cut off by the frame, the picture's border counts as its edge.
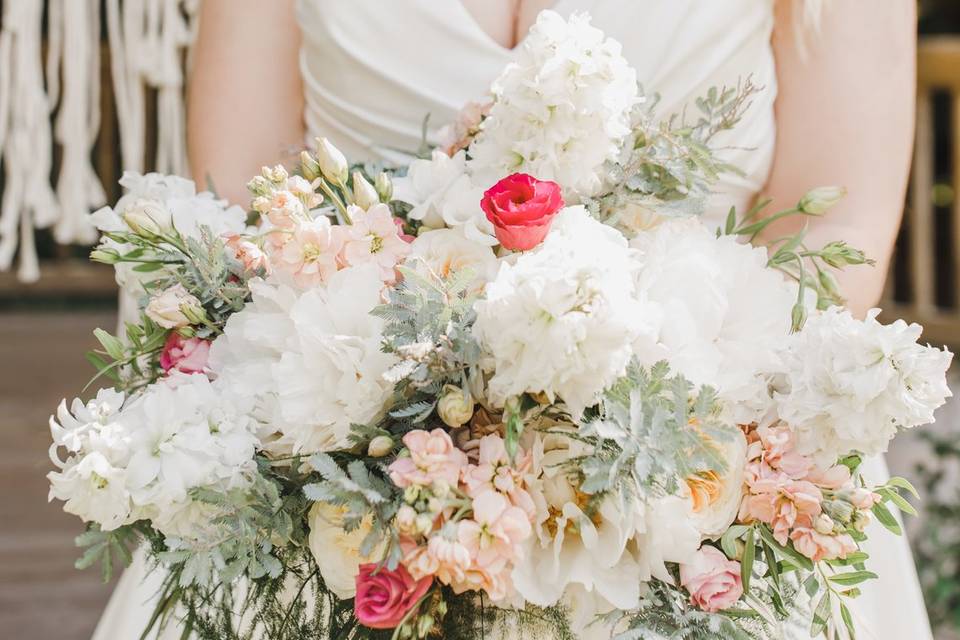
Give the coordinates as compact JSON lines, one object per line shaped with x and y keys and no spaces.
{"x":372,"y":70}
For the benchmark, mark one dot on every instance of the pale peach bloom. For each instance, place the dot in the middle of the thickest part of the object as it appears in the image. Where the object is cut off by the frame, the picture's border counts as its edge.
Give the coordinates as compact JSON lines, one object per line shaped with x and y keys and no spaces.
{"x":498,"y":586}
{"x":460,"y":134}
{"x":310,"y":252}
{"x":494,"y":472}
{"x":835,"y":477}
{"x":417,"y":559}
{"x":283,"y":209}
{"x":779,"y":451}
{"x":407,"y":520}
{"x":495,"y":534}
{"x":452,"y":558}
{"x":712,"y":580}
{"x":818,"y":546}
{"x":373,"y":237}
{"x":793,"y":503}
{"x":251,"y":256}
{"x":433,"y":458}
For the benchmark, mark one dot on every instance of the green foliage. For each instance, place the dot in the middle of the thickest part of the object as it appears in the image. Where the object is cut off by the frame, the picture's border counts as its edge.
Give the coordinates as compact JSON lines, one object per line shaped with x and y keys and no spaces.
{"x":653,"y":432}
{"x":106,"y":548}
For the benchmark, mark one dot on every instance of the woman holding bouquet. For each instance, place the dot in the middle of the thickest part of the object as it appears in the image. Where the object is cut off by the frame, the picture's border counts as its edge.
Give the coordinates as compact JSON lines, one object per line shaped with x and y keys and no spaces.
{"x":836,"y":107}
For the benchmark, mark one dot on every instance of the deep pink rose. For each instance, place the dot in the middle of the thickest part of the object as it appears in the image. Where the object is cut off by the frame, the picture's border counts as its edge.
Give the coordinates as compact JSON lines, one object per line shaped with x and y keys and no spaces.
{"x":188,"y":355}
{"x":712,"y":580}
{"x":521,"y":209}
{"x":384,"y":597}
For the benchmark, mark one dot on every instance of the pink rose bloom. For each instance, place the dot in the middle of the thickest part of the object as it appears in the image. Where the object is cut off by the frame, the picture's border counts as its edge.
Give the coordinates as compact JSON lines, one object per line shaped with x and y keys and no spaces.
{"x":818,"y":546}
{"x":521,"y":209}
{"x":373,"y":237}
{"x":309,"y":253}
{"x":712,"y":580}
{"x":187,"y":355}
{"x":433,"y":457}
{"x":385,"y":597}
{"x":250,"y":255}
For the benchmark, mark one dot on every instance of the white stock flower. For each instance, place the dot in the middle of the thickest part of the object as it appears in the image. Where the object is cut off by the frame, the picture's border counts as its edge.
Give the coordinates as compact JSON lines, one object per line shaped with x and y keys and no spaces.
{"x":310,"y":359}
{"x":575,"y":295}
{"x":560,"y":110}
{"x":850,"y":385}
{"x":443,"y":194}
{"x":725,"y":314}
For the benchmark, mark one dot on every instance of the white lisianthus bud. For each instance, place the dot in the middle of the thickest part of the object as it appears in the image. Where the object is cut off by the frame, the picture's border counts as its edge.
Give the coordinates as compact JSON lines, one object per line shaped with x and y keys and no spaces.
{"x":818,"y":201}
{"x":380,"y":446}
{"x":309,"y":166}
{"x":193,"y":312}
{"x":364,"y":195}
{"x":147,"y":218}
{"x":384,"y":186}
{"x":166,"y":308}
{"x":823,"y":524}
{"x":455,"y":407}
{"x":333,"y":164}
{"x":106,"y":256}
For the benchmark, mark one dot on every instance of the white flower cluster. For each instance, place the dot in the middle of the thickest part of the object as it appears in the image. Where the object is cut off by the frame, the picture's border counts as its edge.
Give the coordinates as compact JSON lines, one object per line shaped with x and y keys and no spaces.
{"x":310,"y":359}
{"x":140,"y":460}
{"x":443,"y":194}
{"x":563,"y":320}
{"x":561,"y":109}
{"x":164,"y":201}
{"x":725,"y":314}
{"x":850,"y":385}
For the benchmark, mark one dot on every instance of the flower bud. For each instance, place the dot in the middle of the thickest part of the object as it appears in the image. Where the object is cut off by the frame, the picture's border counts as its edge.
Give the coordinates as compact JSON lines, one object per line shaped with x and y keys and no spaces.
{"x":424,"y":626}
{"x":147,"y":218}
{"x":407,"y":520}
{"x":411,"y":493}
{"x":798,"y":316}
{"x":829,"y":283}
{"x":333,"y":164}
{"x":861,"y":519}
{"x":193,"y":312}
{"x":440,"y":488}
{"x":105,"y":256}
{"x":364,"y":195}
{"x":277,"y":174}
{"x":455,"y":407}
{"x":380,"y":446}
{"x":823,"y":524}
{"x":424,"y":523}
{"x":384,"y":186}
{"x":840,"y":510}
{"x":839,"y":254}
{"x":818,"y":201}
{"x":309,"y":166}
{"x":260,"y":186}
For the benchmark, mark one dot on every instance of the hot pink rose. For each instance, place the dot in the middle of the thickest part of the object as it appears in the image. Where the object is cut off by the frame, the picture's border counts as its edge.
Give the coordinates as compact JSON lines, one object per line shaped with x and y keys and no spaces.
{"x":384,"y":597}
{"x":188,"y":355}
{"x":521,"y":209}
{"x":712,"y":580}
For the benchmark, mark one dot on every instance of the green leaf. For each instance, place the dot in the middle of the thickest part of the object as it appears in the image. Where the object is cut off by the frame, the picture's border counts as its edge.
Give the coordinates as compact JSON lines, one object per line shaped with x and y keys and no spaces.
{"x":903,"y":483}
{"x":820,"y":615}
{"x":852,"y":578}
{"x":848,"y":621}
{"x":746,"y":564}
{"x":148,"y":267}
{"x":894,"y":496}
{"x":887,"y":519}
{"x":111,"y":345}
{"x":728,"y":540}
{"x":731,"y":221}
{"x":792,"y":554}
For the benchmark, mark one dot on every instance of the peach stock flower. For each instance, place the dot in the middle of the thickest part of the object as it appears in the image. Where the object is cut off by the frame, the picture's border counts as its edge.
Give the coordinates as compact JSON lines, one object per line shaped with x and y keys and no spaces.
{"x":373,"y":236}
{"x":433,"y":457}
{"x":310,"y":251}
{"x":818,"y":546}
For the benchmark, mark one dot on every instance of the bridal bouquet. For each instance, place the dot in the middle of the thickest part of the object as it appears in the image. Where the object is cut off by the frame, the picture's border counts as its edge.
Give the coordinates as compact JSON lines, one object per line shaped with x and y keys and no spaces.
{"x":517,"y":387}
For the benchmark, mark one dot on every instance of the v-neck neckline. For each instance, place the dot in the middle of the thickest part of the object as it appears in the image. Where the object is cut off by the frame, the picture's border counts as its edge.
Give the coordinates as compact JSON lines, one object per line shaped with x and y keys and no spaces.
{"x":490,"y":41}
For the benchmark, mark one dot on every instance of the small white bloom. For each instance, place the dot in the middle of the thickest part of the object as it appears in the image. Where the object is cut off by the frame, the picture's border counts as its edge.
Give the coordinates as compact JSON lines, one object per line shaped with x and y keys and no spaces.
{"x":850,"y":385}
{"x":167,"y":307}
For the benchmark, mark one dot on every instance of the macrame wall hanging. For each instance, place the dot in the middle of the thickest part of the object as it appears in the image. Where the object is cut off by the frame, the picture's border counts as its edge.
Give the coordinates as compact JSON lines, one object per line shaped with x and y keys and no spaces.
{"x":50,"y":78}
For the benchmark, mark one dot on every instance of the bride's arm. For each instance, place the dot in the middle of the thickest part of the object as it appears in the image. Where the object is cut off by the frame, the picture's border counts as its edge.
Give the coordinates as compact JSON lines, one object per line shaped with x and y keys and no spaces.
{"x":245,"y":96}
{"x":845,"y":117}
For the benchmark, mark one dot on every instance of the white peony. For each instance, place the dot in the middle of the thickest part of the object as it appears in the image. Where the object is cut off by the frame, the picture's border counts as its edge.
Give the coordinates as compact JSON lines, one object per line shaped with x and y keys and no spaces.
{"x":561,"y":110}
{"x":666,"y":532}
{"x":443,"y":194}
{"x":575,"y":294}
{"x":336,"y":550}
{"x":443,"y":252}
{"x":725,"y":314}
{"x":851,"y":384}
{"x":311,"y":360}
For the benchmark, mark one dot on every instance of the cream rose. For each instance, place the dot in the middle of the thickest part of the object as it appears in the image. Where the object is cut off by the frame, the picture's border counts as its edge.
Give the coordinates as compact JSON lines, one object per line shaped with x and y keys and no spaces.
{"x":716,"y":497}
{"x":166,"y":308}
{"x":337,"y":552}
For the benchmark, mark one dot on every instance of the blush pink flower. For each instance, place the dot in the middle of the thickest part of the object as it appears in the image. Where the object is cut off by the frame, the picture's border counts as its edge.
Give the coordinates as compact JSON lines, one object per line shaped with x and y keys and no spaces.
{"x":818,"y":546}
{"x":712,"y":580}
{"x":373,"y":237}
{"x":433,"y":458}
{"x":384,"y":597}
{"x":310,"y":252}
{"x":250,"y":255}
{"x":187,"y":355}
{"x":495,"y":535}
{"x":452,"y":558}
{"x":494,"y":472}
{"x":782,"y":505}
{"x":779,"y":451}
{"x":417,"y":559}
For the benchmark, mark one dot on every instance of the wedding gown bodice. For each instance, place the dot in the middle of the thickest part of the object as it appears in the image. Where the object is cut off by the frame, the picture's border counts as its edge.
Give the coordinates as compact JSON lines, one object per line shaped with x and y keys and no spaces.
{"x":373,"y":70}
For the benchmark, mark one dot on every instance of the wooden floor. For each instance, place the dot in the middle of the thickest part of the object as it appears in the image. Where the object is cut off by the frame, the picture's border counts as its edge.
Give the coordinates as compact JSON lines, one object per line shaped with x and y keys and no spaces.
{"x":42,"y":597}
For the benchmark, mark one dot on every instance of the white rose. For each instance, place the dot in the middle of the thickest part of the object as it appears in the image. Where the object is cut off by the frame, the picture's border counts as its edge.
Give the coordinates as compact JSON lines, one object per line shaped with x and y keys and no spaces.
{"x":166,"y":308}
{"x":337,"y":552}
{"x":716,"y":498}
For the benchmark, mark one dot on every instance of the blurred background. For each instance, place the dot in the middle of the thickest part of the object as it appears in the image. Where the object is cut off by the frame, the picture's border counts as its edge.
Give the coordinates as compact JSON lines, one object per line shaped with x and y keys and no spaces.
{"x":51,"y":298}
